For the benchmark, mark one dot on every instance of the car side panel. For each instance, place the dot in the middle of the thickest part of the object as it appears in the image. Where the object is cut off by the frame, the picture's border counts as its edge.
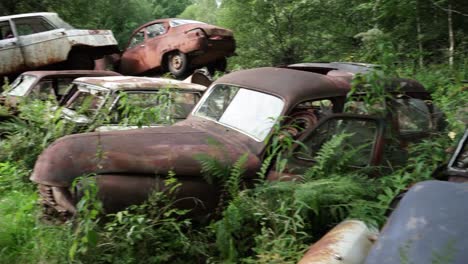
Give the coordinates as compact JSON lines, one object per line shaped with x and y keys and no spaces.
{"x":45,"y":48}
{"x":11,"y":58}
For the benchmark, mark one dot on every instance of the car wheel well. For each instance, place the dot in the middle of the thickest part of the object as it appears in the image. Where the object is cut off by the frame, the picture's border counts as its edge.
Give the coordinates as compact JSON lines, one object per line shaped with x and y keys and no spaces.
{"x":80,"y":58}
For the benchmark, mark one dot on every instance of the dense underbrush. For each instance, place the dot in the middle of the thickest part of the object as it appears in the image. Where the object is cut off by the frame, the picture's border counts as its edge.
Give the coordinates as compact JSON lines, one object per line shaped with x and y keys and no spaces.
{"x":270,"y":223}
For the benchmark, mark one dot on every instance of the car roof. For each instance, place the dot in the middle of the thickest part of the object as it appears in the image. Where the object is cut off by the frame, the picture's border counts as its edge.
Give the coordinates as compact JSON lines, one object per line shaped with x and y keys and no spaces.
{"x":128,"y":83}
{"x":29,"y":15}
{"x":42,"y":74}
{"x":162,"y":20}
{"x":350,"y":67}
{"x":291,"y":85}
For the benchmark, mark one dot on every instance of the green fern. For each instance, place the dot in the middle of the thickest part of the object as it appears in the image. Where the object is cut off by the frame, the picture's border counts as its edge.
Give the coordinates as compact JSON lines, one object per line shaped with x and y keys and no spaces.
{"x":234,"y":180}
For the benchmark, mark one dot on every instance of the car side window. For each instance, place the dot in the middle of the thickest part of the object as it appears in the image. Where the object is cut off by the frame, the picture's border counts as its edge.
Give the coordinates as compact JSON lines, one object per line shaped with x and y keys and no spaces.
{"x":31,"y":25}
{"x":43,"y":90}
{"x":5,"y":30}
{"x":306,"y":114}
{"x":155,"y":30}
{"x":358,"y":137}
{"x":137,"y":39}
{"x":413,"y":115}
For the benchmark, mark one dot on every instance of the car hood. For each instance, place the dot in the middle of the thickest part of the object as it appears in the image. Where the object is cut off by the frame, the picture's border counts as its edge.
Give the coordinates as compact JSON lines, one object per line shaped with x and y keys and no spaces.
{"x":151,"y":151}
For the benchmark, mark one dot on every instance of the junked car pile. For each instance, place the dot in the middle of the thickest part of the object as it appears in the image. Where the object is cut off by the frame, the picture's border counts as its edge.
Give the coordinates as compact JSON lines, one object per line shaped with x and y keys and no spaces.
{"x":239,"y":113}
{"x":236,"y":118}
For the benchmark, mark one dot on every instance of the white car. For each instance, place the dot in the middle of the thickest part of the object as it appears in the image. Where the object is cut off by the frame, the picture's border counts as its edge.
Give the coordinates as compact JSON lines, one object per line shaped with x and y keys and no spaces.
{"x":127,"y":102}
{"x":35,"y":40}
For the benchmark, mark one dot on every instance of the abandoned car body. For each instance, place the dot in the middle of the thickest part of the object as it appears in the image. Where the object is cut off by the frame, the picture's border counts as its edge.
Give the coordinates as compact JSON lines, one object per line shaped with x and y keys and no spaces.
{"x":43,"y":85}
{"x":129,"y":102}
{"x":235,"y":116}
{"x":40,"y":40}
{"x":177,"y":46}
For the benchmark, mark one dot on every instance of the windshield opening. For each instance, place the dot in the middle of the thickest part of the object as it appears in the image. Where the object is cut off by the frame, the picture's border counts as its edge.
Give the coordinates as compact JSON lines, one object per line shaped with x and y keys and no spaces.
{"x":251,"y":112}
{"x":178,"y":22}
{"x":21,"y":85}
{"x":154,"y":107}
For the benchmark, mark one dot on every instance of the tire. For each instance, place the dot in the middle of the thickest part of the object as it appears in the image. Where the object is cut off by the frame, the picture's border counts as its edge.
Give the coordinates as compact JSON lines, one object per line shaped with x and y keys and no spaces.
{"x":178,"y":64}
{"x":80,"y":60}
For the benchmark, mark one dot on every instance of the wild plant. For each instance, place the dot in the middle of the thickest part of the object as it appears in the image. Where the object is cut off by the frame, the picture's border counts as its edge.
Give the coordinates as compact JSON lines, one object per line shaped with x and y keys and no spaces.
{"x":153,"y":232}
{"x":89,"y":208}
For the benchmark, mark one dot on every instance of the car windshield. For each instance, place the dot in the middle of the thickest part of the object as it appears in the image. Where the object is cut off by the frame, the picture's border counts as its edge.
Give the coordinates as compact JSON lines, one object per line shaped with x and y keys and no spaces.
{"x":178,"y":22}
{"x":154,"y":107}
{"x":21,"y":85}
{"x":251,"y":112}
{"x":87,"y":100}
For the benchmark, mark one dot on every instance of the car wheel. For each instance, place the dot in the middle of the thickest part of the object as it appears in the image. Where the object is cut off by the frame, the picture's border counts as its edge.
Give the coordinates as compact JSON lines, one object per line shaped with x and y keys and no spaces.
{"x":79,"y":60}
{"x":178,"y":64}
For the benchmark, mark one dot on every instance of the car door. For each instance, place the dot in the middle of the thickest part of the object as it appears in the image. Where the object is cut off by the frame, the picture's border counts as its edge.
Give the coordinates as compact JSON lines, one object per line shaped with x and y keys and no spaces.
{"x":361,"y":144}
{"x":11,"y":58}
{"x":41,"y":43}
{"x":144,"y":50}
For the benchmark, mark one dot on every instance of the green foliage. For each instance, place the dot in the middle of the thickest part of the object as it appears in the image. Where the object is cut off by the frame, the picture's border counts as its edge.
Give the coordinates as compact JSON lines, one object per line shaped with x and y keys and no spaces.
{"x":31,"y":131}
{"x":24,"y":239}
{"x":85,"y":236}
{"x":153,"y":232}
{"x":202,"y":10}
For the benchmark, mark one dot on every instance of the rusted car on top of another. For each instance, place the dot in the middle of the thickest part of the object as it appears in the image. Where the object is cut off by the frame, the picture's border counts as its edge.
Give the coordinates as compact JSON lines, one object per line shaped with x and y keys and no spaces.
{"x":45,"y":41}
{"x":125,"y":102}
{"x":236,"y":116}
{"x":178,"y":46}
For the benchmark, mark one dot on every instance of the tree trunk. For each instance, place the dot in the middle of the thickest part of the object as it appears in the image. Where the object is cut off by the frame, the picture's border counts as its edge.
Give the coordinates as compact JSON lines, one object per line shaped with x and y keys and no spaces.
{"x":451,"y":37}
{"x":419,"y":37}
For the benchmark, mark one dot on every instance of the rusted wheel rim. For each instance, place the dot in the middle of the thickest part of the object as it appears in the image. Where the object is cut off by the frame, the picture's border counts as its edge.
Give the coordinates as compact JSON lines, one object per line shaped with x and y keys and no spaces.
{"x":176,"y":62}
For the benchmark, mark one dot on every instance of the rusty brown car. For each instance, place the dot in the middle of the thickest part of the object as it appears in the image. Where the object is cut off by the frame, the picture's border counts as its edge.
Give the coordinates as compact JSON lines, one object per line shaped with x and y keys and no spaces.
{"x":178,"y":46}
{"x":43,"y":40}
{"x":236,"y":116}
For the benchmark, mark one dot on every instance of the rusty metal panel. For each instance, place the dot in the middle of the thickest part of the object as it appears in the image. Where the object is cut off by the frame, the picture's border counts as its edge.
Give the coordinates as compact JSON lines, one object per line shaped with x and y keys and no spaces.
{"x":45,"y":48}
{"x":11,"y":58}
{"x":148,"y":151}
{"x":347,"y":243}
{"x":92,"y":38}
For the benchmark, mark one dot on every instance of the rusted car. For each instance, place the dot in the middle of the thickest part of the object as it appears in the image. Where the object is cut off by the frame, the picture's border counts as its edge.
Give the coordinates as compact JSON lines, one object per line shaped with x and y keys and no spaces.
{"x":178,"y":46}
{"x":236,"y":116}
{"x":43,"y":40}
{"x":126,"y":102}
{"x":43,"y":85}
